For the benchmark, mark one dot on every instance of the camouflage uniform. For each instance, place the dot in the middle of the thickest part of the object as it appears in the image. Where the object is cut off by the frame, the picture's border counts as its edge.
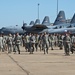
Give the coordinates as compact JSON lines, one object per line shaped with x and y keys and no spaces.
{"x":73,"y":44}
{"x":60,"y":42}
{"x":27,"y":43}
{"x":67,"y":43}
{"x":32,"y":43}
{"x":9,"y":40}
{"x":36,"y":41}
{"x":55,"y":40}
{"x":4,"y":43}
{"x":40,"y":40}
{"x":17,"y":42}
{"x":73,"y":39}
{"x":45,"y":43}
{"x":51,"y":40}
{"x":1,"y":43}
{"x":13,"y":43}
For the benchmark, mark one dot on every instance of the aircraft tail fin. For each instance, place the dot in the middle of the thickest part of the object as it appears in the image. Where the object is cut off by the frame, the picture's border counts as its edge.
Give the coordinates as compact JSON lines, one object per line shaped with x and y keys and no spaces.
{"x":60,"y":18}
{"x":46,"y":21}
{"x":31,"y":23}
{"x":73,"y":19}
{"x":37,"y":22}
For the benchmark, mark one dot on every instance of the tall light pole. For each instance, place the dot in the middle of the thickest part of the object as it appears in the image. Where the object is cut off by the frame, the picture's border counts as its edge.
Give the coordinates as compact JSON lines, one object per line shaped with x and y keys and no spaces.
{"x":38,"y":10}
{"x":57,"y":7}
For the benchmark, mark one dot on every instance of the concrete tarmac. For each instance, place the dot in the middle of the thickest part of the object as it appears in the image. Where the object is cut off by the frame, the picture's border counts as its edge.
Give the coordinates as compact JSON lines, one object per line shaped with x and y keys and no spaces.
{"x":38,"y":63}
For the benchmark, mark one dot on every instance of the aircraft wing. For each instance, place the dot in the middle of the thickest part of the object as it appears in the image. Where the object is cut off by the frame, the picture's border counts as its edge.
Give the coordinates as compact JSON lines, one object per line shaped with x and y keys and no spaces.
{"x":39,"y":26}
{"x":63,"y":30}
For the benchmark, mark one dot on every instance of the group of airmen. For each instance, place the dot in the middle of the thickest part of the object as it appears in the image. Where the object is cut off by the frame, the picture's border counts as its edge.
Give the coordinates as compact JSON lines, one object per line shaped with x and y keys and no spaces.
{"x":35,"y":42}
{"x":10,"y":43}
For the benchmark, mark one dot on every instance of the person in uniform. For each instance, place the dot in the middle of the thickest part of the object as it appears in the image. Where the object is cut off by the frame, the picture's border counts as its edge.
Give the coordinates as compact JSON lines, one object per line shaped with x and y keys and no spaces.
{"x":73,"y":48}
{"x":1,"y":43}
{"x":73,"y":39}
{"x":23,"y":40}
{"x":73,"y":44}
{"x":40,"y":40}
{"x":36,"y":41}
{"x":4,"y":42}
{"x":9,"y":40}
{"x":45,"y":43}
{"x":51,"y":41}
{"x":17,"y":42}
{"x":66,"y":43}
{"x":6,"y":46}
{"x":60,"y":42}
{"x":27,"y":43}
{"x":32,"y":43}
{"x":55,"y":40}
{"x":13,"y":43}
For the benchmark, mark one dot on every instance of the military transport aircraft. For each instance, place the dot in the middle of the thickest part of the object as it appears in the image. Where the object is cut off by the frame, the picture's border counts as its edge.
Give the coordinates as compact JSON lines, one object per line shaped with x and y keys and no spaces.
{"x":11,"y":29}
{"x":68,"y":27}
{"x":59,"y":26}
{"x":37,"y":27}
{"x":14,"y":29}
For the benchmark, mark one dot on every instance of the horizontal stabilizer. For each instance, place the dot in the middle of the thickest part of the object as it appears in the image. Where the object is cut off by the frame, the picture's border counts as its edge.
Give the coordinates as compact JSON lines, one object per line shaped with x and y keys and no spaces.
{"x":46,"y":21}
{"x":60,"y":18}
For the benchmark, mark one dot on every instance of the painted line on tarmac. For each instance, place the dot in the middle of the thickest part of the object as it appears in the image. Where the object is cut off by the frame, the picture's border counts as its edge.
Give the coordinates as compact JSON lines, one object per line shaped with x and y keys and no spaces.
{"x":27,"y":72}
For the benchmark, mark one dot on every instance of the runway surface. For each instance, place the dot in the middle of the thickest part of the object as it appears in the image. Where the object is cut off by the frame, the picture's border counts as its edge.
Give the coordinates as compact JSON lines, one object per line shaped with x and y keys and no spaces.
{"x":38,"y":63}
